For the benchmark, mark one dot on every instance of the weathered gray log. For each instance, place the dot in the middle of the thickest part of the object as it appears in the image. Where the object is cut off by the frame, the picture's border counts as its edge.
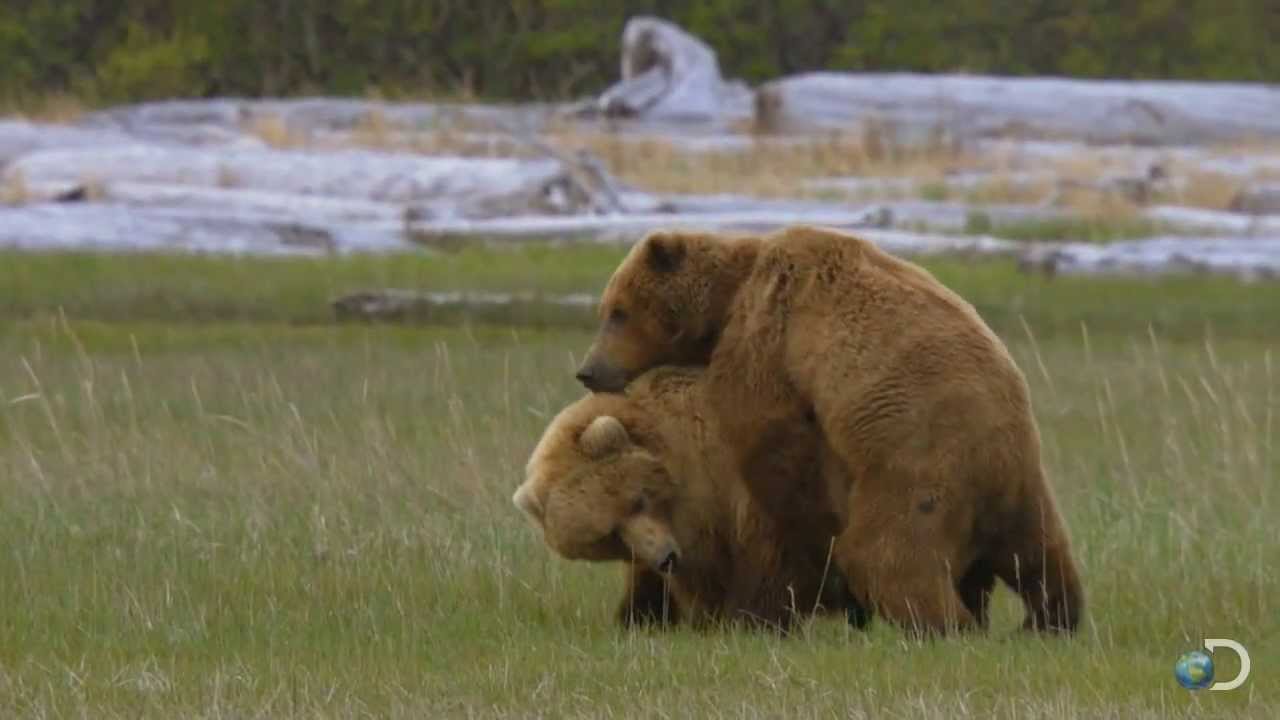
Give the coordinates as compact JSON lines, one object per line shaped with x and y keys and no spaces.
{"x":446,"y":187}
{"x":318,"y":113}
{"x":959,"y":217}
{"x":119,"y":228}
{"x":18,"y":138}
{"x":124,"y":228}
{"x":916,"y":244}
{"x":622,"y":228}
{"x":1213,"y":221}
{"x":741,"y":214}
{"x":232,"y":202}
{"x":226,"y":113}
{"x":1251,"y":258}
{"x":914,"y":106}
{"x":420,"y":306}
{"x":935,"y":216}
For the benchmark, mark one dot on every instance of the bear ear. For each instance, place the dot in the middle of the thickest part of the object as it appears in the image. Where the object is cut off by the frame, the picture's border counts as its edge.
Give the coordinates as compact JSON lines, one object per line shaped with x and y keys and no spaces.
{"x":604,"y":435}
{"x":664,"y":251}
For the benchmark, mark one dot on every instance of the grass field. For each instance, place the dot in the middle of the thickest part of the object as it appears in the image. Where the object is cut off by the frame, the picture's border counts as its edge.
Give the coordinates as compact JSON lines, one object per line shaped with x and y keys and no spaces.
{"x":219,"y":504}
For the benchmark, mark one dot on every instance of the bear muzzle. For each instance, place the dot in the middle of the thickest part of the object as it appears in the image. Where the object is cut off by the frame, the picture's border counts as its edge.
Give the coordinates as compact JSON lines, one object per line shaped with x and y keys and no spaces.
{"x":650,"y":545}
{"x":525,"y":500}
{"x":601,"y":377}
{"x":668,"y":564}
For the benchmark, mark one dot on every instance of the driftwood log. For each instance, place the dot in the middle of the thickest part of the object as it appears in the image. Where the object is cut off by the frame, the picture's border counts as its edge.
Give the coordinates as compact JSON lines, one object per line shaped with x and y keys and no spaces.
{"x":394,"y":305}
{"x":1249,"y":259}
{"x":445,"y":187}
{"x":913,"y":107}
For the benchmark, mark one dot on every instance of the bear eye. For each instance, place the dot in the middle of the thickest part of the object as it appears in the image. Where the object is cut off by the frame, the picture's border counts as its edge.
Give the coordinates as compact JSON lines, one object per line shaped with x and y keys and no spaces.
{"x":638,"y":505}
{"x":618,"y":315}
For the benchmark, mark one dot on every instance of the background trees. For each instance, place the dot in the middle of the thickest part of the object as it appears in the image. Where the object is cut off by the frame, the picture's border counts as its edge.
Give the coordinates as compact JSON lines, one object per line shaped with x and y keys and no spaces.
{"x":113,"y":50}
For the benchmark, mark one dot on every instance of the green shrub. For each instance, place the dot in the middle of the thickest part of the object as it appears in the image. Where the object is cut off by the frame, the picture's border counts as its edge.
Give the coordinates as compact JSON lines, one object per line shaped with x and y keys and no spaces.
{"x":556,"y":48}
{"x":144,"y":67}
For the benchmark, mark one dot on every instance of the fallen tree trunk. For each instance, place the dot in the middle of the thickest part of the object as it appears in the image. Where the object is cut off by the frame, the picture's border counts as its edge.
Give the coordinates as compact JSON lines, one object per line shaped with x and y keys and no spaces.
{"x":730,"y":213}
{"x":1214,"y":221}
{"x":115,"y":227}
{"x":912,"y":107}
{"x":18,"y":138}
{"x":1249,"y":258}
{"x":444,"y":187}
{"x":312,"y":114}
{"x":234,"y":202}
{"x":625,"y":228}
{"x":393,"y":305}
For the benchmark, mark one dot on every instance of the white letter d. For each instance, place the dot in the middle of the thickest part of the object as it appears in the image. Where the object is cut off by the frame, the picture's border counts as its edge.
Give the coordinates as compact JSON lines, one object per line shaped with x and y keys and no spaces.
{"x":1212,"y":644}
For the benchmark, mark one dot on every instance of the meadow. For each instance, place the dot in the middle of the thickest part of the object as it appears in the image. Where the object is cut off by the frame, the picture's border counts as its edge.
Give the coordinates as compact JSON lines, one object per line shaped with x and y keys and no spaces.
{"x":218,"y":502}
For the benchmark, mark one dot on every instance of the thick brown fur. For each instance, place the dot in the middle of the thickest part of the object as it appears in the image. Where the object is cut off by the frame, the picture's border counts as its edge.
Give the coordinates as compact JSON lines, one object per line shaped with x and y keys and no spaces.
{"x":642,"y":478}
{"x":928,"y":416}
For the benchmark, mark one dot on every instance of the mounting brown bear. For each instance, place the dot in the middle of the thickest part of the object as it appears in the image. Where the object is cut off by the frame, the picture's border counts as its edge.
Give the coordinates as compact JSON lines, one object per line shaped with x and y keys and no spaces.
{"x":927,"y":414}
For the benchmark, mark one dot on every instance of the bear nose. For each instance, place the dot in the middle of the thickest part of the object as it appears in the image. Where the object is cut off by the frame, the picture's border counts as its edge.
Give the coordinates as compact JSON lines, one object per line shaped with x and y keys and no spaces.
{"x":587,"y":377}
{"x":668,"y":563}
{"x":527,"y":502}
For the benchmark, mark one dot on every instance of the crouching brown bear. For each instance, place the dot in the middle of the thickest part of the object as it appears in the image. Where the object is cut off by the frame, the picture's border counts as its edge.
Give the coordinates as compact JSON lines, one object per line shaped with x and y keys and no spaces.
{"x":927,"y":415}
{"x":642,"y":479}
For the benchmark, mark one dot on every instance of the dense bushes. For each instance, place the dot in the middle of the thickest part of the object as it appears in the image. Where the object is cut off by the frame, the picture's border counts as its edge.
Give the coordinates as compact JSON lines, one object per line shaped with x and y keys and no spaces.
{"x":114,"y":50}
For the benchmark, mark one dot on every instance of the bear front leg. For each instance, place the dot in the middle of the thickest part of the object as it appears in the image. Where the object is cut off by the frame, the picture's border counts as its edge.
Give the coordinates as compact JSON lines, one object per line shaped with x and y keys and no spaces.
{"x":646,"y":601}
{"x":975,"y":590}
{"x":857,"y":614}
{"x":1039,"y":566}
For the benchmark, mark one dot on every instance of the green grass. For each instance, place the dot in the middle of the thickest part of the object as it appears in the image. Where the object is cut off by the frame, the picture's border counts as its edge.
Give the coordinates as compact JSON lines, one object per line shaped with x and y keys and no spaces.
{"x":186,"y":289}
{"x":935,"y":192}
{"x":248,"y":516}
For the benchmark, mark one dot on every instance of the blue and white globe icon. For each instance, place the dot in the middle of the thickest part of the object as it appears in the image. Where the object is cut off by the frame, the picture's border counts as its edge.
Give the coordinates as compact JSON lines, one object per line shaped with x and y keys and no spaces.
{"x":1194,"y":670}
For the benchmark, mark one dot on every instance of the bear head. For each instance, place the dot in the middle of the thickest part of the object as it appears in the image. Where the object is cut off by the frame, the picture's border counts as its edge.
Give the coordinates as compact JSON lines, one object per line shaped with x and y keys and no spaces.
{"x":597,"y":494}
{"x":664,"y":305}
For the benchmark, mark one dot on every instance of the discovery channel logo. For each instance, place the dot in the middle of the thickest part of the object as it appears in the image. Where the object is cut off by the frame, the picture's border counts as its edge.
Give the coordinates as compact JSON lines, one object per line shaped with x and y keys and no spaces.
{"x":1194,"y":669}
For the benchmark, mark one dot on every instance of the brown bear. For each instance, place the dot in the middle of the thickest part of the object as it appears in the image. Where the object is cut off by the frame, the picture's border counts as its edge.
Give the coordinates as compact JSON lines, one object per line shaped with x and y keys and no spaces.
{"x":927,"y":415}
{"x":642,"y":478}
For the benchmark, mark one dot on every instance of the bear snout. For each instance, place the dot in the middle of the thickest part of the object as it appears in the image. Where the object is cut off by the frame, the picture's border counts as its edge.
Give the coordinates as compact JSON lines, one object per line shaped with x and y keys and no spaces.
{"x":651,"y":542}
{"x":596,"y":376}
{"x":525,"y":500}
{"x":667,"y":565}
{"x":587,"y":377}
